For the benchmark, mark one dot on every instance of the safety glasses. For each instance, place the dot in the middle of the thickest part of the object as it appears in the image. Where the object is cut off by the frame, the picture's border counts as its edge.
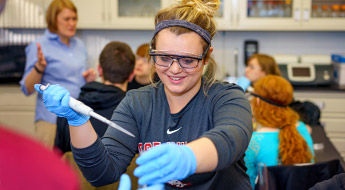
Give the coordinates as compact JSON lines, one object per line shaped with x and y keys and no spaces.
{"x":165,"y":59}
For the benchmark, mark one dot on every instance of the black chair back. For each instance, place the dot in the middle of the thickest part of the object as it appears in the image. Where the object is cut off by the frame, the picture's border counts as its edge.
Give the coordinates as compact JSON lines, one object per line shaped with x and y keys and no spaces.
{"x":296,"y":177}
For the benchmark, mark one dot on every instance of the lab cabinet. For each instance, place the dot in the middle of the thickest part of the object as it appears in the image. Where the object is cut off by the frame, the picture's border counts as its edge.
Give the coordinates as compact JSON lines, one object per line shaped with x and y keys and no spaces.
{"x":332,"y":106}
{"x":24,"y":14}
{"x":91,"y":14}
{"x":118,"y":14}
{"x":138,"y":14}
{"x":225,"y":17}
{"x":133,"y":14}
{"x":323,"y":15}
{"x":285,"y":15}
{"x":262,"y":15}
{"x":17,"y":111}
{"x":233,"y":15}
{"x":268,"y":15}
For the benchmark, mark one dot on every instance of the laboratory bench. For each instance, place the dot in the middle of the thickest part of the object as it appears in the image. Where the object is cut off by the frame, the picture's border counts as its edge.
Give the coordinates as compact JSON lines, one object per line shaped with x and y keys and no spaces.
{"x":331,"y":102}
{"x":323,"y":147}
{"x":316,"y":89}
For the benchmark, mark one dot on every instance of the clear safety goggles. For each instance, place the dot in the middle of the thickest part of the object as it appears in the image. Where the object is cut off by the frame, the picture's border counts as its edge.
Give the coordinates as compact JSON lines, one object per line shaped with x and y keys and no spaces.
{"x":165,"y":58}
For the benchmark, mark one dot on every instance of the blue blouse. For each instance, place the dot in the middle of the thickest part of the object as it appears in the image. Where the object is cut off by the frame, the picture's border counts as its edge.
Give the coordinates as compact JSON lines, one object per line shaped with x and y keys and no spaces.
{"x":65,"y":65}
{"x":263,"y":148}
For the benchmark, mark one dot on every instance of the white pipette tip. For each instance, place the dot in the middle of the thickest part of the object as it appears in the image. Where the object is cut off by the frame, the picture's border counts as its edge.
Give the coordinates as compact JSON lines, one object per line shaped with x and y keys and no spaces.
{"x":120,"y":129}
{"x":110,"y":123}
{"x":43,"y":88}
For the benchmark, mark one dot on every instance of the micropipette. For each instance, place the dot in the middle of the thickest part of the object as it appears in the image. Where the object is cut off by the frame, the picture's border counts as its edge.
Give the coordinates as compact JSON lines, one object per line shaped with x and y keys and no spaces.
{"x":80,"y":107}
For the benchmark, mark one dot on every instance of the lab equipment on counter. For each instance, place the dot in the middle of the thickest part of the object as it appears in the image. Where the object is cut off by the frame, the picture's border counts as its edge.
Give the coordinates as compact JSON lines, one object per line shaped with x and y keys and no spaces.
{"x":250,"y":47}
{"x":12,"y":62}
{"x":80,"y":107}
{"x":306,"y":70}
{"x":339,"y":70}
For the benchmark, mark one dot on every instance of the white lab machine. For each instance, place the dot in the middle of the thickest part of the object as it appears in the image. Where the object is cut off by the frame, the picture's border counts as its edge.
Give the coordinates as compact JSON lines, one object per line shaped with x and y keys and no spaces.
{"x":306,"y":70}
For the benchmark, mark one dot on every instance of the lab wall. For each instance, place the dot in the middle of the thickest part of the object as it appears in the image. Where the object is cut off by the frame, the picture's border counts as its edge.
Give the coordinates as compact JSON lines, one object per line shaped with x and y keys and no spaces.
{"x":225,"y":43}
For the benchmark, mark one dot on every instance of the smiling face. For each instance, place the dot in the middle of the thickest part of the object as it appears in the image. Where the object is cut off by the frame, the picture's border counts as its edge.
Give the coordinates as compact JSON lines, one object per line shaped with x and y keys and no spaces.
{"x":180,"y":81}
{"x":66,"y":23}
{"x":254,"y":71}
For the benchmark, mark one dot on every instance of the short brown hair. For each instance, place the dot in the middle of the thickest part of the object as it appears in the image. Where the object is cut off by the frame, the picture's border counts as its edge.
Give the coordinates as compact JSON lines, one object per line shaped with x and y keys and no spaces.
{"x":117,"y":61}
{"x":55,"y":7}
{"x":267,"y":64}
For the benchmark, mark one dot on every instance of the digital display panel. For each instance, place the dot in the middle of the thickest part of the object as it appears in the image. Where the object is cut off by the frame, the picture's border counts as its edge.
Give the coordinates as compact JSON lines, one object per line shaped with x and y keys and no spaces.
{"x":301,"y":72}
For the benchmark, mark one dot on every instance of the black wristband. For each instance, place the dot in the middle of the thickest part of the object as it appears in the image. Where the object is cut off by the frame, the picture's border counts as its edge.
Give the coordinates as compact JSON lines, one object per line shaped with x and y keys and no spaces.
{"x":38,"y":71}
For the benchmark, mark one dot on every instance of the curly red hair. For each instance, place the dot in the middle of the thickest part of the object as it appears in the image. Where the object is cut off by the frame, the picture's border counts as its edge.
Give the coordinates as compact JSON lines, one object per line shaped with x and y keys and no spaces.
{"x":292,"y":146}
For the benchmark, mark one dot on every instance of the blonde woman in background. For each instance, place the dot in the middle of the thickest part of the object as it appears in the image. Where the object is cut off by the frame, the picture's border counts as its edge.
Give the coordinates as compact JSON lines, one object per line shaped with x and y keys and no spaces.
{"x":193,"y":131}
{"x":57,"y":57}
{"x":281,"y":139}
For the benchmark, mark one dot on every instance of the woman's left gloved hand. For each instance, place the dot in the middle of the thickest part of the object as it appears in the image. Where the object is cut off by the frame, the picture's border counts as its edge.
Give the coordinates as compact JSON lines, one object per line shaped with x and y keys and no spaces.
{"x":164,"y":163}
{"x":125,"y":184}
{"x":243,"y":82}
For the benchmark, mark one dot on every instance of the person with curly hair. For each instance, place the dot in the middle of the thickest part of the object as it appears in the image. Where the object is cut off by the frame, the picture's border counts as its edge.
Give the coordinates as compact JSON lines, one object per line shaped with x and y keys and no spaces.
{"x":281,"y":139}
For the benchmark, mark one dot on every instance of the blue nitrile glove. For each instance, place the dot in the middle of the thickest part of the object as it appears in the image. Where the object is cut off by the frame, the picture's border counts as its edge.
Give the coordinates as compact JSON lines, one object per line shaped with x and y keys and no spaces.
{"x":56,"y":100}
{"x":243,"y":82}
{"x":164,"y":163}
{"x":125,"y":184}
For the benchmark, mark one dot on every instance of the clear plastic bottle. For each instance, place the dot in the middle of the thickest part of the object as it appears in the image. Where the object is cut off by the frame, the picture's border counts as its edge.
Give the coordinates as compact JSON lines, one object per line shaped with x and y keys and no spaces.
{"x":314,"y":11}
{"x":335,"y":11}
{"x":342,"y":11}
{"x":319,"y":11}
{"x":280,"y":7}
{"x":270,"y":9}
{"x":262,"y":9}
{"x":288,"y":8}
{"x":276,"y":9}
{"x":325,"y":11}
{"x":254,"y":10}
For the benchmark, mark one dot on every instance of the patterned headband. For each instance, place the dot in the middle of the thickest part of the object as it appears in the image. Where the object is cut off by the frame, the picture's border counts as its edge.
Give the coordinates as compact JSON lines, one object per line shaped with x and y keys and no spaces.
{"x":182,"y":23}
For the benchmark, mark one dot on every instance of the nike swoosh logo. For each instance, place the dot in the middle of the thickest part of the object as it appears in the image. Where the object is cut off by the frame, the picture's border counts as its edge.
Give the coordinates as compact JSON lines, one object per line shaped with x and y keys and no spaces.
{"x":174,"y":131}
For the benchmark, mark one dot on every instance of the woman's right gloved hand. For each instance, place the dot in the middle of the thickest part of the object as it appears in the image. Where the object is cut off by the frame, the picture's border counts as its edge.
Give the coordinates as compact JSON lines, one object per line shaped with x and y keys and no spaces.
{"x":56,"y":100}
{"x":243,"y":82}
{"x":164,"y":163}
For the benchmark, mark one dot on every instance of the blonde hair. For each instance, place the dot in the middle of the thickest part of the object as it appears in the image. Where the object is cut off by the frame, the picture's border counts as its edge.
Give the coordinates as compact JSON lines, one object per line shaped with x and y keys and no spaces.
{"x":292,"y":146}
{"x":55,"y":7}
{"x":199,"y":12}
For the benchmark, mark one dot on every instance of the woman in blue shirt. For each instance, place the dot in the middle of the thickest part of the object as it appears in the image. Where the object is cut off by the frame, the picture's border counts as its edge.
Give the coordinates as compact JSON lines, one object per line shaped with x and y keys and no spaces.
{"x":280,"y":138}
{"x":57,"y":57}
